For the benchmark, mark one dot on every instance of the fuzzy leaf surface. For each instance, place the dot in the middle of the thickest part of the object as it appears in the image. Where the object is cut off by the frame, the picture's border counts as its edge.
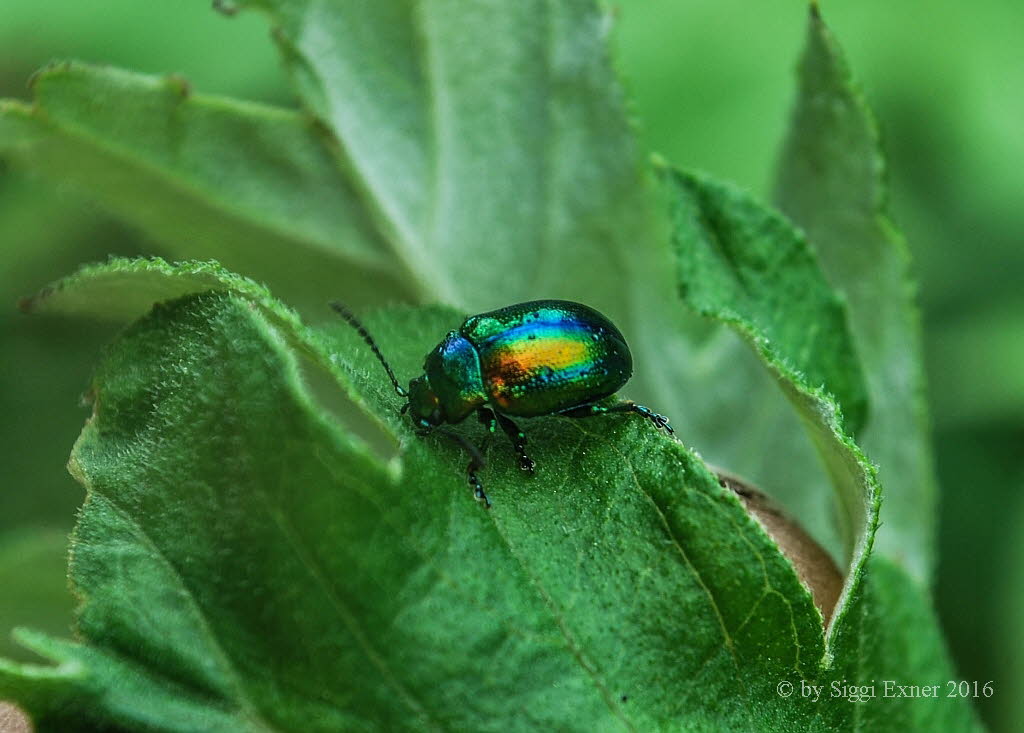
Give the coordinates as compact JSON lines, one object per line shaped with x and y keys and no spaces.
{"x":474,"y":157}
{"x":500,"y":157}
{"x":745,"y":266}
{"x":247,"y":562}
{"x":248,"y":184}
{"x":831,"y":182}
{"x":748,"y":268}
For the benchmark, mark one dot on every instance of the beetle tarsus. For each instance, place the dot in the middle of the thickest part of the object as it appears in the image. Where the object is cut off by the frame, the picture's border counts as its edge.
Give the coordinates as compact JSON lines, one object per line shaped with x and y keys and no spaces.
{"x":659,"y":421}
{"x":476,"y":461}
{"x":478,"y":489}
{"x":518,"y":438}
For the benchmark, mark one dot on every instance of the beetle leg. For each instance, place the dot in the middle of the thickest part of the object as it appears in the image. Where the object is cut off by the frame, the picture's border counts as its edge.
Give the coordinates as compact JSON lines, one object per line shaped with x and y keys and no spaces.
{"x":490,"y":423}
{"x":518,"y":438}
{"x":486,"y":417}
{"x":476,"y":462}
{"x":659,"y":421}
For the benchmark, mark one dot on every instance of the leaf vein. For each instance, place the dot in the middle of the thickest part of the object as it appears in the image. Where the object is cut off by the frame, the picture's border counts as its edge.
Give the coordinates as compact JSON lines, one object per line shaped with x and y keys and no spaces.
{"x":728,"y":641}
{"x":227,"y":665}
{"x":570,"y":639}
{"x":343,"y":612}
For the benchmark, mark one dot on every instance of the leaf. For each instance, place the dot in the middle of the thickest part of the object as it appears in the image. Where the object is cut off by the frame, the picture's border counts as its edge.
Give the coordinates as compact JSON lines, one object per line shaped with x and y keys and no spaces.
{"x":535,"y":189}
{"x":892,"y":640}
{"x":383,"y":597}
{"x":490,"y":141}
{"x":246,"y":563}
{"x":831,"y":182}
{"x":746,"y":267}
{"x":124,"y":289}
{"x":246,"y":183}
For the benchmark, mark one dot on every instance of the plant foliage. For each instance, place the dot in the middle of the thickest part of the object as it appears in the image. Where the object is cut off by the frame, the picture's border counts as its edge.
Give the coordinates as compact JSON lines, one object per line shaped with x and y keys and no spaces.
{"x":266,"y":545}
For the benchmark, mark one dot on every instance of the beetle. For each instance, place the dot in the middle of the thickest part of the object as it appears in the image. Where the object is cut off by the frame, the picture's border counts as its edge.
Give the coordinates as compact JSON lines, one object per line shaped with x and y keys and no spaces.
{"x":542,"y":357}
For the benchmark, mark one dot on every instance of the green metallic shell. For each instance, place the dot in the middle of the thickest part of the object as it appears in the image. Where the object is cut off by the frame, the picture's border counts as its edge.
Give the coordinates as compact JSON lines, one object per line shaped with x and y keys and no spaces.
{"x":546,"y":356}
{"x":536,"y":358}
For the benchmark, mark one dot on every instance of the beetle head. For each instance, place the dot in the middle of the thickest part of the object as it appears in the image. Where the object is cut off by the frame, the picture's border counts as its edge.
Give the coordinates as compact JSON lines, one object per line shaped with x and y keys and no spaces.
{"x":424,"y":407}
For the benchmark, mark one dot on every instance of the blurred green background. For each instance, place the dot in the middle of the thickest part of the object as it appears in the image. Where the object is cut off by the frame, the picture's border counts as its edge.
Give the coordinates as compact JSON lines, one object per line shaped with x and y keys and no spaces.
{"x":711,"y":84}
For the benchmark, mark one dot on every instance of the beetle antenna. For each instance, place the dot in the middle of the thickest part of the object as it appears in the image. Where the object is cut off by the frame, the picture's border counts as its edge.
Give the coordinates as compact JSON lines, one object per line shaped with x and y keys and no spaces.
{"x":351,"y":320}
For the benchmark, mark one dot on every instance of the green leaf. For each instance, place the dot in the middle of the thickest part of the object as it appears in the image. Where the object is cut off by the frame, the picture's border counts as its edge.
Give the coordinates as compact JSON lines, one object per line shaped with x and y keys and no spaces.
{"x":249,"y":184}
{"x":831,"y":182}
{"x":491,"y":141}
{"x":216,"y":487}
{"x":248,"y":564}
{"x":124,"y":289}
{"x":533,"y":184}
{"x":746,"y":267}
{"x":891,"y":638}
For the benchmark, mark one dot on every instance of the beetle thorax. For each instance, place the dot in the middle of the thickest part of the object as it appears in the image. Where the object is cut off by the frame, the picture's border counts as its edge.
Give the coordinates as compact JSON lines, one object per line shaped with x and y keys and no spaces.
{"x":452,"y":375}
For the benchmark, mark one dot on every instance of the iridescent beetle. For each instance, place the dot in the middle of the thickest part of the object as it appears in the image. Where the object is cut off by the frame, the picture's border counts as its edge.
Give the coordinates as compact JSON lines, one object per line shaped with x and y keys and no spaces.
{"x":544,"y":357}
